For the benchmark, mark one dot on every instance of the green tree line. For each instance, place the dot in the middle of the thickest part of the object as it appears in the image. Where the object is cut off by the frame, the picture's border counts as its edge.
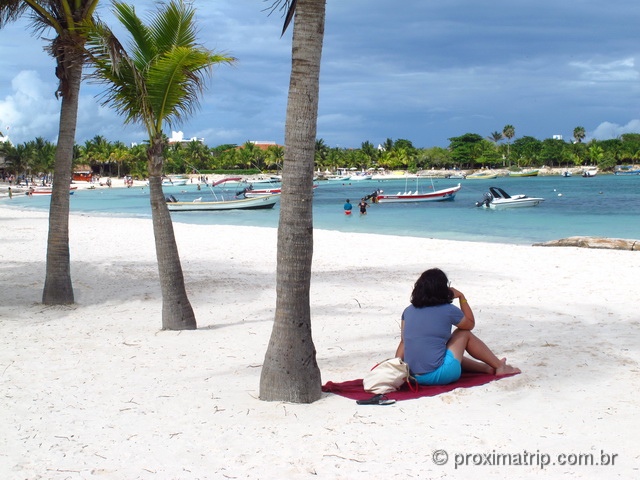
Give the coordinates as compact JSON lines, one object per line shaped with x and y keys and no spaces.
{"x":468,"y":151}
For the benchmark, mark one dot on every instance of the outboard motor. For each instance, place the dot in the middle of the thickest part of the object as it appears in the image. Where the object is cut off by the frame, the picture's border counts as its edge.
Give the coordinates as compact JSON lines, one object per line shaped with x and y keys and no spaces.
{"x":486,"y":200}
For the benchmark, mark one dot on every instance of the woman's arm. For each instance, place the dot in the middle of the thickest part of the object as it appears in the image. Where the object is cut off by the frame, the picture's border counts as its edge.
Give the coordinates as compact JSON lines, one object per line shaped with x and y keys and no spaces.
{"x":400,"y":349}
{"x":468,"y":321}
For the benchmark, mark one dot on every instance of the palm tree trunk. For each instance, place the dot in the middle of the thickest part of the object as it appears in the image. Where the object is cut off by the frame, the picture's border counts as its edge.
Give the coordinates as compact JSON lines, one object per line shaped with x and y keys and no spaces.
{"x":177,"y":313}
{"x":290,"y":371}
{"x":58,"y":289}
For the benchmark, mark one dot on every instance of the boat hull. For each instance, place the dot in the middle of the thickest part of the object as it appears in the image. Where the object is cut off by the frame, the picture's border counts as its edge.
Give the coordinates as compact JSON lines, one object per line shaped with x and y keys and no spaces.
{"x":439,"y":196}
{"x":524,"y":174}
{"x":360,"y":178}
{"x":48,"y":191}
{"x":497,"y":199}
{"x":515,"y":203}
{"x":262,"y":193}
{"x":261,"y":202}
{"x":176,"y":183}
{"x":482,"y":177}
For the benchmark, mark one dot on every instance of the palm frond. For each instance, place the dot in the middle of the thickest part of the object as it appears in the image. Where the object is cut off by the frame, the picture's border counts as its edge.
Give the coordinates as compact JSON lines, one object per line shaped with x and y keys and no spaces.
{"x":290,"y":13}
{"x":176,"y":80}
{"x":11,"y":10}
{"x":114,"y":68}
{"x":161,"y":77}
{"x":143,"y":48}
{"x":174,"y":27}
{"x":283,"y":5}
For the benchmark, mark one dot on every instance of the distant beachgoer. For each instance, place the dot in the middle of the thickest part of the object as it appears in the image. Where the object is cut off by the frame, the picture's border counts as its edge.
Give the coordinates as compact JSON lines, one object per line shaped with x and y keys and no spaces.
{"x":363,"y":207}
{"x":347,"y":207}
{"x":435,"y":355}
{"x":10,"y":193}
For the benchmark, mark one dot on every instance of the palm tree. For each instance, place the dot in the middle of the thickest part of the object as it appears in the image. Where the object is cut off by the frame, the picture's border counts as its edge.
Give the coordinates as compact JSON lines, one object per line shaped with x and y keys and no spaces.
{"x":97,"y":151}
{"x":290,"y":371}
{"x":119,"y":154}
{"x":44,"y":153}
{"x":65,"y":18}
{"x":508,"y":132}
{"x":495,"y":137}
{"x":275,"y":156}
{"x":19,"y":157}
{"x":579,"y":134}
{"x":321,"y":152}
{"x":387,"y":146}
{"x":158,"y":82}
{"x":370,"y":153}
{"x":197,"y":154}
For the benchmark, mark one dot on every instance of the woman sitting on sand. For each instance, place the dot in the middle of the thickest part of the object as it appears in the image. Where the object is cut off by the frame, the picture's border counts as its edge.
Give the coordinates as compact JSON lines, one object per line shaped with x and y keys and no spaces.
{"x":434,"y":354}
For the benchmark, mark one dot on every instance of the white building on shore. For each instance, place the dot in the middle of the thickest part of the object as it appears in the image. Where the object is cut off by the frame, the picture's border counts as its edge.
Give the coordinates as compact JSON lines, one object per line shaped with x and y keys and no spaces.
{"x":178,"y":137}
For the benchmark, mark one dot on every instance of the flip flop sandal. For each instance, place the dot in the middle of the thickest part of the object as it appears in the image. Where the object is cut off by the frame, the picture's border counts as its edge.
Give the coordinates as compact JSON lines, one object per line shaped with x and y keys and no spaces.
{"x":376,"y":400}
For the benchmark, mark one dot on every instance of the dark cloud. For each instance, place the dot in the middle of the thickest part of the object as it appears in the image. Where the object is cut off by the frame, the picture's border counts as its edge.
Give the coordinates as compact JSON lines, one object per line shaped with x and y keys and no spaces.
{"x":425,"y":71}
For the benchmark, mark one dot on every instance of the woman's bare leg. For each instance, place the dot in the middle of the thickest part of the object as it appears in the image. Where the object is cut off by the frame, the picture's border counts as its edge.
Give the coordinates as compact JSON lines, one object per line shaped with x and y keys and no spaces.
{"x":475,"y":366}
{"x":464,"y":340}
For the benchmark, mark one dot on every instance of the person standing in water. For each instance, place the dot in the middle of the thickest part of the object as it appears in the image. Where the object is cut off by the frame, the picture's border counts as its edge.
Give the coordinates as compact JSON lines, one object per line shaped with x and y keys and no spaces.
{"x":363,"y":207}
{"x":347,"y":207}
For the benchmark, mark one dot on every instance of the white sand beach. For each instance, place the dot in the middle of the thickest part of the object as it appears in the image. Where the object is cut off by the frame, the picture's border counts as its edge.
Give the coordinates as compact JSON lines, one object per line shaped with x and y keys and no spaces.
{"x":97,"y":390}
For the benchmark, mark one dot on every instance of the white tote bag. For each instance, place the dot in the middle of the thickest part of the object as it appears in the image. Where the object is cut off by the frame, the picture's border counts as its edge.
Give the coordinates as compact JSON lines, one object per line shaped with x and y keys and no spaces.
{"x":387,"y":376}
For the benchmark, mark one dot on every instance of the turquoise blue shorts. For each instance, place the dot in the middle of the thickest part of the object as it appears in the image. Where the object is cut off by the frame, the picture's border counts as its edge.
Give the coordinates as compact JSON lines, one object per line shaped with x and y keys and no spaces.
{"x":448,"y":372}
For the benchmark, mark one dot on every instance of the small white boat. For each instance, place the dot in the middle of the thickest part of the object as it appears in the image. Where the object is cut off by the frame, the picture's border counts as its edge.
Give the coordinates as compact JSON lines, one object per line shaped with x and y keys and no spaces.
{"x":46,"y":191}
{"x":482,"y":176}
{"x":220,"y":203}
{"x":531,"y":173}
{"x":566,"y":173}
{"x":169,"y":182}
{"x":358,"y":178}
{"x":590,"y":172}
{"x":343,"y":178}
{"x":262,"y":192}
{"x":252,"y":193}
{"x":626,"y":170}
{"x":261,"y":202}
{"x":457,"y":176}
{"x":268,"y":181}
{"x":437,"y":196}
{"x":497,"y":198}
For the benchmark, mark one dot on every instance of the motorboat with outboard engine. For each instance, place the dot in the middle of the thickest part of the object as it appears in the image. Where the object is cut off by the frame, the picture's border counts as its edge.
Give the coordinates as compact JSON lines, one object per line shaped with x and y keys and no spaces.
{"x":498,"y":198}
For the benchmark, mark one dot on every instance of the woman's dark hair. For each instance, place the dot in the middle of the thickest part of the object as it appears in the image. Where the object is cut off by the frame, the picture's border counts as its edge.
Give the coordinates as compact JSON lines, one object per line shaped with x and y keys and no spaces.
{"x":432,"y":288}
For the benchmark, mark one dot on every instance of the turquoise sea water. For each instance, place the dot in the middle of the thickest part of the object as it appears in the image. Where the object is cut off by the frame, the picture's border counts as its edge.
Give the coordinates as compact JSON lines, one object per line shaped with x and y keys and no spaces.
{"x":605,"y":205}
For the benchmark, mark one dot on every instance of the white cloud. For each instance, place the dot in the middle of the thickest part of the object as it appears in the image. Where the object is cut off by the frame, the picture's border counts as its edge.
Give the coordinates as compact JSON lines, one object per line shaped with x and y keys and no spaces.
{"x":614,"y":71}
{"x":607,"y":130}
{"x":31,"y":110}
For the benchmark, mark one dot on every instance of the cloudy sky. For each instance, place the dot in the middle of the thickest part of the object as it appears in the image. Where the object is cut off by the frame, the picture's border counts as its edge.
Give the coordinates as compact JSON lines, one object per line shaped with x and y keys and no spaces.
{"x":415,"y":69}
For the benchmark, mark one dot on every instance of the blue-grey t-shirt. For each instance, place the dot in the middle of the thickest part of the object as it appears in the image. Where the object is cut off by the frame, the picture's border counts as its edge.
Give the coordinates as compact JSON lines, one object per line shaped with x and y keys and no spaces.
{"x":426,"y":333}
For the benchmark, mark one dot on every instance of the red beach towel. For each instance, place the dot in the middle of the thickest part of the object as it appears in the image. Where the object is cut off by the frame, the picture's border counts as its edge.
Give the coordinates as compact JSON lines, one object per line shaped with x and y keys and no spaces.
{"x":354,"y":390}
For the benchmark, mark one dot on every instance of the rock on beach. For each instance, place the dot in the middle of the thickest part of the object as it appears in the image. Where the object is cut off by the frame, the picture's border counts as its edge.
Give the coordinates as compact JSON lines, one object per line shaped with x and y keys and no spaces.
{"x":593,"y":242}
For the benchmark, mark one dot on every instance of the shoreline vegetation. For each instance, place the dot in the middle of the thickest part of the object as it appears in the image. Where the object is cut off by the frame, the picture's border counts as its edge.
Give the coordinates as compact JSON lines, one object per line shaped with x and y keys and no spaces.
{"x":468,"y":152}
{"x":126,"y":181}
{"x":153,"y":403}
